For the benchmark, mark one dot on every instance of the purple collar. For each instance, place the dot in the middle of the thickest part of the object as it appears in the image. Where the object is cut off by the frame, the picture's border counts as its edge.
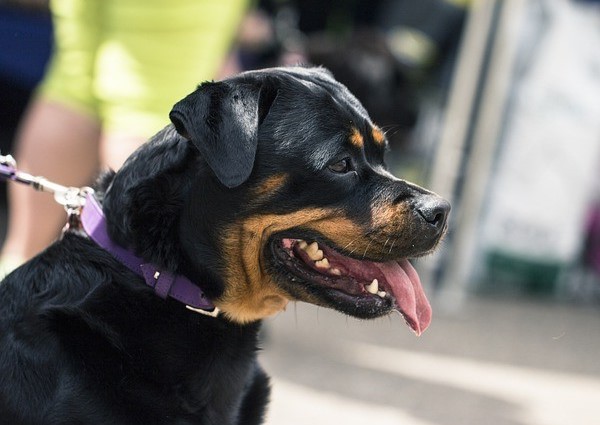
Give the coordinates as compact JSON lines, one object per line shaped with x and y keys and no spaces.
{"x":164,"y":283}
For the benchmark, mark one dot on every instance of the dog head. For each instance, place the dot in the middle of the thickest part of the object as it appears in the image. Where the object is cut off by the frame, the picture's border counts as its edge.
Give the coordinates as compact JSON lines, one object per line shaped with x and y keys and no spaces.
{"x":272,"y":187}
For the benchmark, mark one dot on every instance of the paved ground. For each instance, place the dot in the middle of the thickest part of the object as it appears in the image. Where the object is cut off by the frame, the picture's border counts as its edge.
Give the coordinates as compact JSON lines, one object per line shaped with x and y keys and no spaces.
{"x":497,"y":362}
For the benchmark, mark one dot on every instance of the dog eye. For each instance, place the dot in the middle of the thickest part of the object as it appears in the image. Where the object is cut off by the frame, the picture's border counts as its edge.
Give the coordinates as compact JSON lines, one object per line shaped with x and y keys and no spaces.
{"x":343,"y":166}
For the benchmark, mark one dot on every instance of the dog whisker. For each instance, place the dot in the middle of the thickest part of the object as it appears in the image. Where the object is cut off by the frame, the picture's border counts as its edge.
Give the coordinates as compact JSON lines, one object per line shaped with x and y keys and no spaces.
{"x":386,"y":242}
{"x":392,"y":246}
{"x":349,"y":243}
{"x":392,"y":130}
{"x":367,"y":248}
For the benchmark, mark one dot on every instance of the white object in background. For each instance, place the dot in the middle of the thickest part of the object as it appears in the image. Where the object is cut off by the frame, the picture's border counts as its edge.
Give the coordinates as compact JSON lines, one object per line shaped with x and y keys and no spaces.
{"x":551,"y":149}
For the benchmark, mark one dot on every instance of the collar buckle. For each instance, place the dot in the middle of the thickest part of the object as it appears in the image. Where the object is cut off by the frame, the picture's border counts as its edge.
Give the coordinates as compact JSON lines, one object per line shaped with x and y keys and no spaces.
{"x":211,"y":313}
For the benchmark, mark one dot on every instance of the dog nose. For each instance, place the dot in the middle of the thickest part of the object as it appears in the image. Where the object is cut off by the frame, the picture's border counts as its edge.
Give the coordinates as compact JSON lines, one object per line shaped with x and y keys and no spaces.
{"x":434,"y":210}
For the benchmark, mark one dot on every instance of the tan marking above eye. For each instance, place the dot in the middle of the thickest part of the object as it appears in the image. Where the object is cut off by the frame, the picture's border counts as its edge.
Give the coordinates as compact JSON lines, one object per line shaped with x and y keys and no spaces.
{"x":356,"y":139}
{"x":378,"y":135}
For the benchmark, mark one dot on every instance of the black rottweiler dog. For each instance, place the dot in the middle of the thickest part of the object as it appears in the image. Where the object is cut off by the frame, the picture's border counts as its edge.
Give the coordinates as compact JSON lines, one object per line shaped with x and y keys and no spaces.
{"x":268,"y":187}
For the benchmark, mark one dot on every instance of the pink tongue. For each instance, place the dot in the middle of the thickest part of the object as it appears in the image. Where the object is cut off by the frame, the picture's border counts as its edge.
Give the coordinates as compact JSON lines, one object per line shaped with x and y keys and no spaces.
{"x":404,"y":282}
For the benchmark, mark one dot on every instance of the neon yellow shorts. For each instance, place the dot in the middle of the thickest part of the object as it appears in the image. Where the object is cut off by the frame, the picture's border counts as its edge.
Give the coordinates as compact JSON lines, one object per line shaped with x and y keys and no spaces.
{"x":128,"y":61}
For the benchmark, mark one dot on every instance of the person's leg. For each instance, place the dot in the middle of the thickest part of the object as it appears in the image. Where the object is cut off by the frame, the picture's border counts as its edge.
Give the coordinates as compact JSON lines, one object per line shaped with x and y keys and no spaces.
{"x":60,"y":144}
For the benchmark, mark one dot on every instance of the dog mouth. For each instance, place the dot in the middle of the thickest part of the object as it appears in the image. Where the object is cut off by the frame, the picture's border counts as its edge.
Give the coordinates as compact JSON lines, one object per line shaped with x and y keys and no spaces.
{"x":361,"y":288}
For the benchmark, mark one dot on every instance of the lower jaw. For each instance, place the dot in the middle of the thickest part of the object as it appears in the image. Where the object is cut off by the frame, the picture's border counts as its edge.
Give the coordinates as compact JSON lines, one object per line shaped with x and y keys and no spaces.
{"x":362,"y":307}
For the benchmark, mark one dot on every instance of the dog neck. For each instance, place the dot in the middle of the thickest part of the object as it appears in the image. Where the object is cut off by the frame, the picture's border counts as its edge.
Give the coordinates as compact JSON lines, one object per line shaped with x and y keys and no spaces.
{"x":164,"y":283}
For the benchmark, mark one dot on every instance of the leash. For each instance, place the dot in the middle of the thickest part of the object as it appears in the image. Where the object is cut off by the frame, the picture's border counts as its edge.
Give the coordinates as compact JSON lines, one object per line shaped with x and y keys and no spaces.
{"x":71,"y":198}
{"x":93,"y":222}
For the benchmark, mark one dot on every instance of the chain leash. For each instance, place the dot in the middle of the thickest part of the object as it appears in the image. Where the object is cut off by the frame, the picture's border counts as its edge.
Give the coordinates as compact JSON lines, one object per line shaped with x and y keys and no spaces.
{"x":71,"y":198}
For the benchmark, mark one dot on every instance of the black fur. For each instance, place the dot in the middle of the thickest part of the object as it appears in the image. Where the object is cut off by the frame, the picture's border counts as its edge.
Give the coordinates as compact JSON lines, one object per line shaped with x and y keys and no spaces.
{"x":83,"y":340}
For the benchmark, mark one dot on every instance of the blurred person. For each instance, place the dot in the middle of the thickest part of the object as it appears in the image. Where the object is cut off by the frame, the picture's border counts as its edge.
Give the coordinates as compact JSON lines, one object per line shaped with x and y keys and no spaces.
{"x":117,"y":68}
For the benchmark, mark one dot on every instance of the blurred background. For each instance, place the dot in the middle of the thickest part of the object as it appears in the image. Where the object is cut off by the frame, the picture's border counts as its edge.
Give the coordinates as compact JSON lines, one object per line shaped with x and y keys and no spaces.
{"x":495,"y":105}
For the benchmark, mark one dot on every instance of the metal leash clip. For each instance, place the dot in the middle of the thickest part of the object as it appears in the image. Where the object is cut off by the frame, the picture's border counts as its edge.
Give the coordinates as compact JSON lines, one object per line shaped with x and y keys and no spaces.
{"x":71,"y":198}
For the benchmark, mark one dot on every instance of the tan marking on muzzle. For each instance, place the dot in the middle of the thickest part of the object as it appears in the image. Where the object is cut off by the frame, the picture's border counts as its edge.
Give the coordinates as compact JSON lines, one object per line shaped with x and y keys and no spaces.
{"x":251,"y":292}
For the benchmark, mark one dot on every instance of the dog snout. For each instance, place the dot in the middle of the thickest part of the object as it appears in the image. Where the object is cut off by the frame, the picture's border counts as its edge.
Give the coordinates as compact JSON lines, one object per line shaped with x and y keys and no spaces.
{"x":433,"y":210}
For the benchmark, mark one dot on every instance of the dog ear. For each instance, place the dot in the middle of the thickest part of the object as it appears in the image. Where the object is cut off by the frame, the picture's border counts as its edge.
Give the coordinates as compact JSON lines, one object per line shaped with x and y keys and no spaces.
{"x":221,"y":119}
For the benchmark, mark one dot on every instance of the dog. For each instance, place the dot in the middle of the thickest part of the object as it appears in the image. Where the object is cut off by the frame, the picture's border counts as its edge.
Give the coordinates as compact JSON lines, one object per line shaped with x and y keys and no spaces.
{"x":267,"y":187}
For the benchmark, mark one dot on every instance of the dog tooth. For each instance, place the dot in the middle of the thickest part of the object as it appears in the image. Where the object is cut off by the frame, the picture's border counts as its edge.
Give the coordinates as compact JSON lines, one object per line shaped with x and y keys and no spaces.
{"x":322,"y":264}
{"x":314,"y":252}
{"x":313,"y":247}
{"x":382,"y":294}
{"x":302,"y":244}
{"x":373,"y":287}
{"x":335,"y":271}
